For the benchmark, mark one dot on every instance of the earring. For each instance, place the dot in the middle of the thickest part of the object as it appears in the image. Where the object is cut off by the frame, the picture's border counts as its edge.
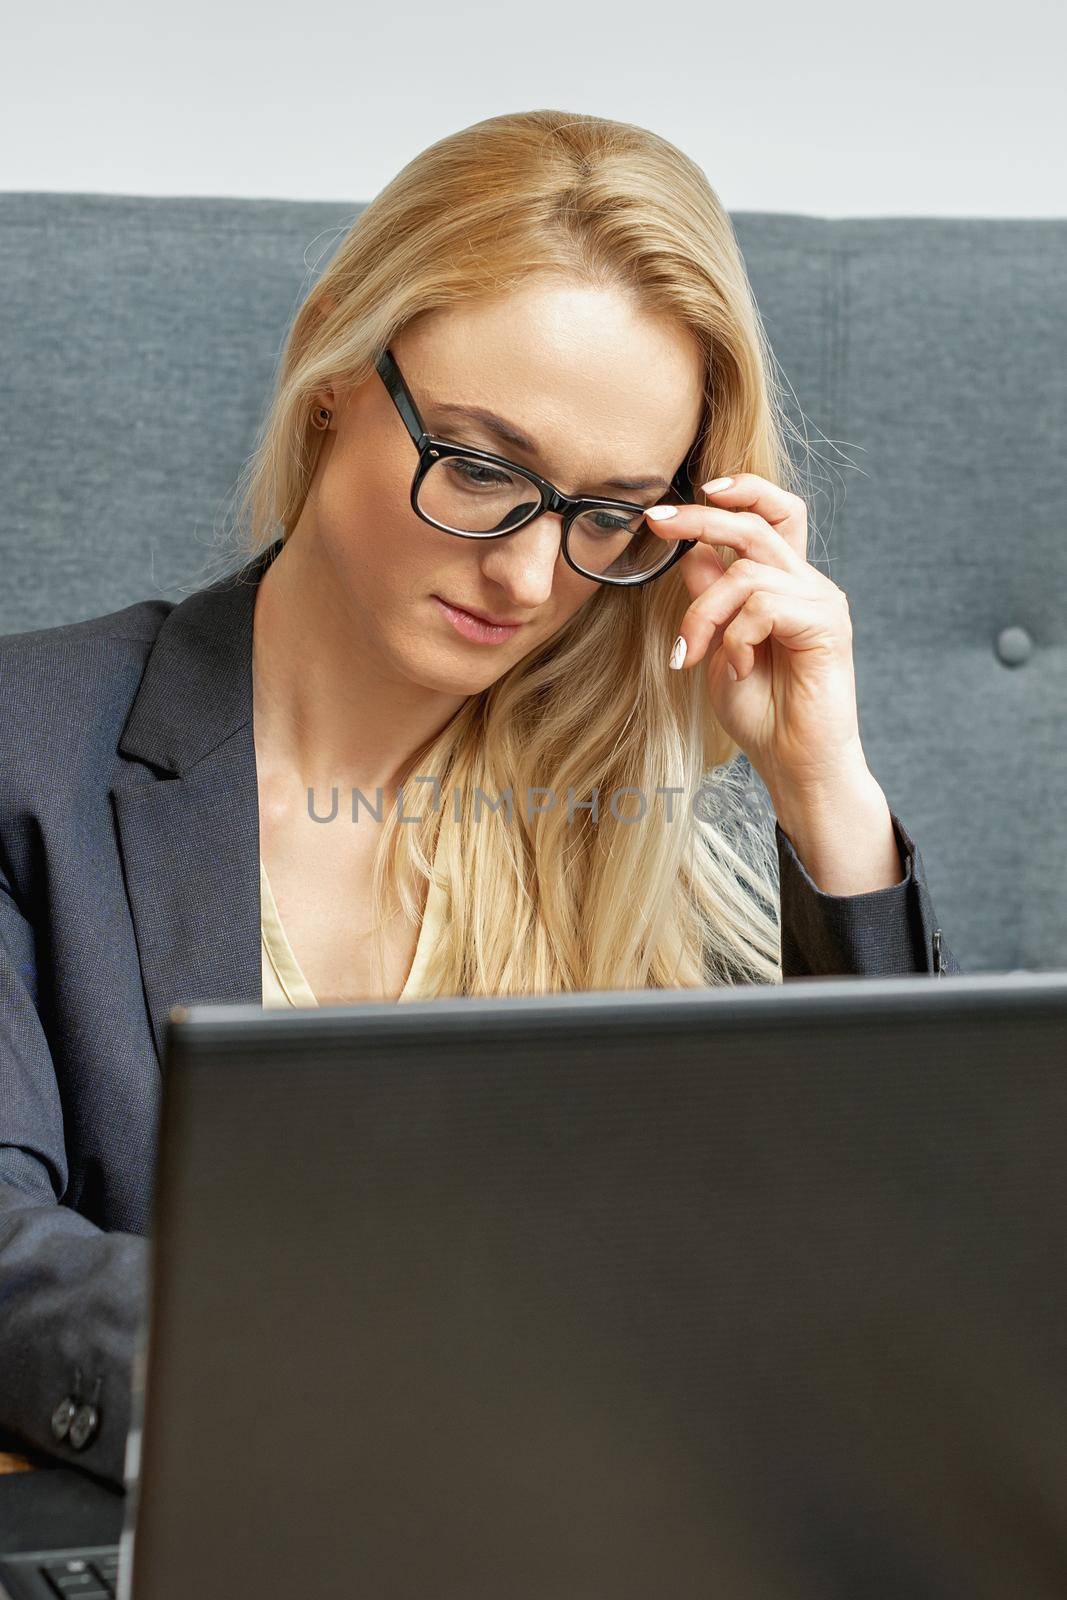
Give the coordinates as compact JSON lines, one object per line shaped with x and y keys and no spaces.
{"x":321,"y":418}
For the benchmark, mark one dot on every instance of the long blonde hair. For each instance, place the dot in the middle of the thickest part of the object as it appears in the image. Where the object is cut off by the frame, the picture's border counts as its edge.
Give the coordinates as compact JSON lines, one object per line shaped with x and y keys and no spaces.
{"x":557,"y":900}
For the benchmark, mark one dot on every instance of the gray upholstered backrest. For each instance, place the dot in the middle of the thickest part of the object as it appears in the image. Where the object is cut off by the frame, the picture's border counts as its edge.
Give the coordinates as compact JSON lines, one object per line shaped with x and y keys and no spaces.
{"x":927,"y":363}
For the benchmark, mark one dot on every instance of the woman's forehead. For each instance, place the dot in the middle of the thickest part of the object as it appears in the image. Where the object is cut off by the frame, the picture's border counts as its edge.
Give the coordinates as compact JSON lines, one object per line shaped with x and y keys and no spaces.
{"x":634,"y":406}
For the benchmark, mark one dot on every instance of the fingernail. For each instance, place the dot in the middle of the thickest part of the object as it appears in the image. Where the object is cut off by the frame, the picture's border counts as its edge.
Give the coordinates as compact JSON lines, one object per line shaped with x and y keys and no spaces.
{"x":716,"y":484}
{"x":732,"y":670}
{"x":678,"y":653}
{"x":661,"y":513}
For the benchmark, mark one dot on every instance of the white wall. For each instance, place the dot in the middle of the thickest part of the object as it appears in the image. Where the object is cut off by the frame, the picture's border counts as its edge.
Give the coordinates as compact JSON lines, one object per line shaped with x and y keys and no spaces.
{"x":941,"y":108}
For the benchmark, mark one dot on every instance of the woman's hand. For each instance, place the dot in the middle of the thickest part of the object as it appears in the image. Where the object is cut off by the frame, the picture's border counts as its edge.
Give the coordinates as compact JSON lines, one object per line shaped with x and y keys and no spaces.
{"x":782,"y":626}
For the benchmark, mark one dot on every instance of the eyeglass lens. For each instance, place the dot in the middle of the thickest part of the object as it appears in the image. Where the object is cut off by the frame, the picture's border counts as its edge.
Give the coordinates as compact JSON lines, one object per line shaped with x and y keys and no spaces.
{"x":479,"y":499}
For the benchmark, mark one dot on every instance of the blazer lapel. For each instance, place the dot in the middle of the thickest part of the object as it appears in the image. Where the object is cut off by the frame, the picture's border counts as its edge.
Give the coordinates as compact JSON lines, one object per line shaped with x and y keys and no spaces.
{"x":186,"y":804}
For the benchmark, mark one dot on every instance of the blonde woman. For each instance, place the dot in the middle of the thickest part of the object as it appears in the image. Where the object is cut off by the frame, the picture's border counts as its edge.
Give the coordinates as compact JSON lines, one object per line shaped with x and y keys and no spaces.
{"x":525,"y":568}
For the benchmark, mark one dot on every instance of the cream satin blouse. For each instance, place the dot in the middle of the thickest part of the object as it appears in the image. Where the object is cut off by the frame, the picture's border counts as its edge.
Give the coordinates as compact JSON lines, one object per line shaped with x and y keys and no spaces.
{"x":283,"y":982}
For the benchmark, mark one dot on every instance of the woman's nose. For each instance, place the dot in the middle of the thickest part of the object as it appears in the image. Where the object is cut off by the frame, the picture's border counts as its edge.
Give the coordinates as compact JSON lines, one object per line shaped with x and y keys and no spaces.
{"x":524,"y":563}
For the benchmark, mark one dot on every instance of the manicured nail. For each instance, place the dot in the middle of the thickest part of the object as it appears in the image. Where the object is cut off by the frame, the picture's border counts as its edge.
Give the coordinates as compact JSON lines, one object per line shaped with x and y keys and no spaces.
{"x":716,"y":484}
{"x":661,"y":513}
{"x":732,"y":670}
{"x":678,"y":653}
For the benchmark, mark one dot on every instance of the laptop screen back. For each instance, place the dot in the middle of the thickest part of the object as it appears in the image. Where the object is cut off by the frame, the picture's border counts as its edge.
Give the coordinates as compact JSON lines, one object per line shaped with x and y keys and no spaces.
{"x":740,"y":1293}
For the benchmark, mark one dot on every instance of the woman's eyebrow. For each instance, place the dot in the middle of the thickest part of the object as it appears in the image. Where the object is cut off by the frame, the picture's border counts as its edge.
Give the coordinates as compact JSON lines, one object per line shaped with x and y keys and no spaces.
{"x":511,"y":435}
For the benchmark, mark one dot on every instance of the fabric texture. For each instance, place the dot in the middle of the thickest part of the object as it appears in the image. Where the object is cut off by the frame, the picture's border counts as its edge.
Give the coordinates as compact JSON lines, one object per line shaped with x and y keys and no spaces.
{"x":129,"y":882}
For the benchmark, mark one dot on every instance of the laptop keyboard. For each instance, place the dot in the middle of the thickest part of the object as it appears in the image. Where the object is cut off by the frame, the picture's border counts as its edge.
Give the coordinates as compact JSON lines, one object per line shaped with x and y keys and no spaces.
{"x":89,"y":1577}
{"x":79,"y":1574}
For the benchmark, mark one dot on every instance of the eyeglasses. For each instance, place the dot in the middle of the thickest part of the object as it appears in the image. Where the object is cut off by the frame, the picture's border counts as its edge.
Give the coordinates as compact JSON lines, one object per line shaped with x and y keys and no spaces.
{"x":478,"y":495}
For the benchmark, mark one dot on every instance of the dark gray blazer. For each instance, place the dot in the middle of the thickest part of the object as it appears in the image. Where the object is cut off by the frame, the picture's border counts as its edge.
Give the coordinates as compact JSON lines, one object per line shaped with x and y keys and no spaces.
{"x":129,"y":881}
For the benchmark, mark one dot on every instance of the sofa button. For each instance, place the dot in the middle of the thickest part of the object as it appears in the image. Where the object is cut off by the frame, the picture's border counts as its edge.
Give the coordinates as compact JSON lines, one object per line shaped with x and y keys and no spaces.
{"x":1014,"y":646}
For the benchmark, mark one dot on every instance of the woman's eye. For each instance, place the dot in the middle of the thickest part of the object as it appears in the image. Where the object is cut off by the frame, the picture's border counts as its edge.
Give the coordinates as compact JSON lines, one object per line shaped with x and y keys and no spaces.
{"x":480,"y":476}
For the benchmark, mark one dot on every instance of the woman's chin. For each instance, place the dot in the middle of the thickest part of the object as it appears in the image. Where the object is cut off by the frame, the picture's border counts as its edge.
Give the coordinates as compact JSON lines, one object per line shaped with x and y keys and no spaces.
{"x":451,"y":672}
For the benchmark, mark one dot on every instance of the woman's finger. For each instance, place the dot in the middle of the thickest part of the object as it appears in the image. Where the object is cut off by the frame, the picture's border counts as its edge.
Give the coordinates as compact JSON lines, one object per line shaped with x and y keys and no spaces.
{"x":800,"y":622}
{"x":717,"y":604}
{"x":741,"y":531}
{"x":783,"y":511}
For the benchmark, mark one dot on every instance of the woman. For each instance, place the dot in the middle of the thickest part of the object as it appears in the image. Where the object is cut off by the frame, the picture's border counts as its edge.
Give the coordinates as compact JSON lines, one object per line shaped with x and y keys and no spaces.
{"x":539,"y":332}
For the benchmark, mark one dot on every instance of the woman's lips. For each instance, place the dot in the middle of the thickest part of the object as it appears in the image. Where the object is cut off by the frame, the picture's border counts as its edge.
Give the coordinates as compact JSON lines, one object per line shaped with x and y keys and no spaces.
{"x":474,"y":628}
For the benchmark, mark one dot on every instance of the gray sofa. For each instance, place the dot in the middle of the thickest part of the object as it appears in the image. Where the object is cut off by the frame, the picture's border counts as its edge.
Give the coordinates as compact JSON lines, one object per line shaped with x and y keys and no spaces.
{"x":923,"y":362}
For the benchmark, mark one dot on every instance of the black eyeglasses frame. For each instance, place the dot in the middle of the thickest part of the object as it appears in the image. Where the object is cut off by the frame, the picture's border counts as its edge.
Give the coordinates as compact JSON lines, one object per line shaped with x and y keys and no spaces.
{"x":432,"y":449}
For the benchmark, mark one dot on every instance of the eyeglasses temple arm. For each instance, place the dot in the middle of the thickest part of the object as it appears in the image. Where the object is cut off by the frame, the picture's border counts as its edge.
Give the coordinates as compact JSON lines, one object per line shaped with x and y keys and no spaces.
{"x":402,"y":398}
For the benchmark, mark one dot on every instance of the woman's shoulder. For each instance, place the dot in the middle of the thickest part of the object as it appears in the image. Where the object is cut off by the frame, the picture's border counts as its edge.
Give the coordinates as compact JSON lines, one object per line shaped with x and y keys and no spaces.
{"x":66,"y":691}
{"x":139,"y":622}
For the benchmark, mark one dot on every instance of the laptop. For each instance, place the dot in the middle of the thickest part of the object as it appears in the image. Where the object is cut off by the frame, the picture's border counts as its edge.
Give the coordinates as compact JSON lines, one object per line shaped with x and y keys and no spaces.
{"x":754,"y":1293}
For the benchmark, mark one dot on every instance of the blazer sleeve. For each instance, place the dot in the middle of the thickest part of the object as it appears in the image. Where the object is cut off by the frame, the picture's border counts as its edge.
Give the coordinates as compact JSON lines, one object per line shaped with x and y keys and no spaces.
{"x":71,"y":1293}
{"x":888,"y":931}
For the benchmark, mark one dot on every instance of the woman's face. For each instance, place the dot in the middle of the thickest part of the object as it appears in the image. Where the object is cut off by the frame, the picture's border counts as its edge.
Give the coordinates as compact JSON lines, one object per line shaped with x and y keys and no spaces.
{"x":601,"y":391}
